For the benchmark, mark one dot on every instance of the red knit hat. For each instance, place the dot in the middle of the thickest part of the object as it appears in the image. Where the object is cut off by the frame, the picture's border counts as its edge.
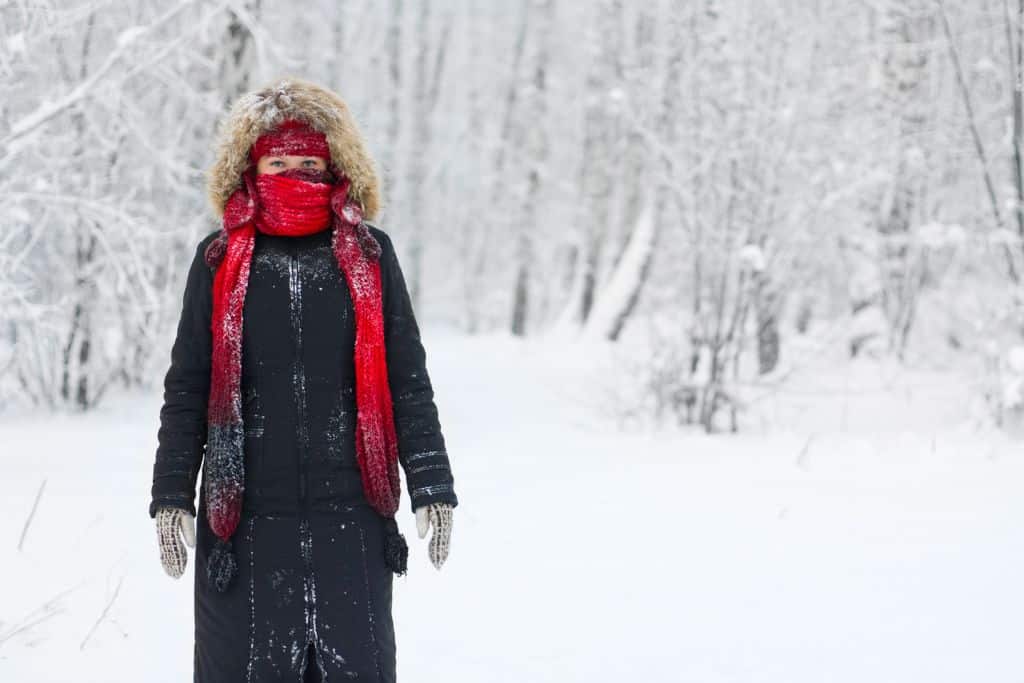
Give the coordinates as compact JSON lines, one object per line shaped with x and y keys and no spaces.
{"x":291,"y":136}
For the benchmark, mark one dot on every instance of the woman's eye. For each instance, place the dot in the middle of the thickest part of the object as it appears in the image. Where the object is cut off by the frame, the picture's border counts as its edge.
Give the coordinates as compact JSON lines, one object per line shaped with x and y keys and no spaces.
{"x":277,"y":163}
{"x":310,"y":162}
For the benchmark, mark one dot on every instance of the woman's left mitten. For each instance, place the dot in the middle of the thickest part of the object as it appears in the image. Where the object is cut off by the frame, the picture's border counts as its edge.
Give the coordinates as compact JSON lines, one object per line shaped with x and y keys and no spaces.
{"x":439,"y":516}
{"x":172,"y":524}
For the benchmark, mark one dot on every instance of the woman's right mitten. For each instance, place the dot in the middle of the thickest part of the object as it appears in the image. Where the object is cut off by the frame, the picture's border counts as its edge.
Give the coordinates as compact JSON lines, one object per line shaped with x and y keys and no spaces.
{"x":171,"y":525}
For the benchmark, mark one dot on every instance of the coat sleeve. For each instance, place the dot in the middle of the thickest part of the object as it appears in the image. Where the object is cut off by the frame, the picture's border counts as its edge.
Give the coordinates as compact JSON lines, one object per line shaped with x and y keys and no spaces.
{"x":421,"y":446}
{"x":182,"y":433}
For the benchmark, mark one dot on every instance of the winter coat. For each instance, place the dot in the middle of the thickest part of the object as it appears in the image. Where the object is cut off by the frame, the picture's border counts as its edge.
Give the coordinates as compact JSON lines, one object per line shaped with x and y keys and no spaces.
{"x":298,"y":384}
{"x":312,"y":578}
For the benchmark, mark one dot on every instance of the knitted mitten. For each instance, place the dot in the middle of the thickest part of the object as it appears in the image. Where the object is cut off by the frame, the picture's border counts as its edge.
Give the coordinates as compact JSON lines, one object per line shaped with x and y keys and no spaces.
{"x":171,"y":525}
{"x":438,"y":515}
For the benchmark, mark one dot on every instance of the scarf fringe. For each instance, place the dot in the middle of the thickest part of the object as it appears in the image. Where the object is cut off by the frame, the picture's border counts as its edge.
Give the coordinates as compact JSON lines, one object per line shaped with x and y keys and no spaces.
{"x":396,"y":550}
{"x":221,"y":566}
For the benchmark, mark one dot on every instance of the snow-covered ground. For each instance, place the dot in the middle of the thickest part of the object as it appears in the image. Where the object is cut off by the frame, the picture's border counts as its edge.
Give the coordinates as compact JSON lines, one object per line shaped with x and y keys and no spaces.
{"x":861,"y":529}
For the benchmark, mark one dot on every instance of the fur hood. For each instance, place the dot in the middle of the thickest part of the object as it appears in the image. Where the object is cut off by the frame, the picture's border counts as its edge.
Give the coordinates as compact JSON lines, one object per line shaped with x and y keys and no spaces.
{"x":261,"y":110}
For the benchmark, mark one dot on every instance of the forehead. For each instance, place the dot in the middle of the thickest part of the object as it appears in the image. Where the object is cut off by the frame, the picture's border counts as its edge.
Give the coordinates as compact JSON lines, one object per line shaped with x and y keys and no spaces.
{"x":292,"y":156}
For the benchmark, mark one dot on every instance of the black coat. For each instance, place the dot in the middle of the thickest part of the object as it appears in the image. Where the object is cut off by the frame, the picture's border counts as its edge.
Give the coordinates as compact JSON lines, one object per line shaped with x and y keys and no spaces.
{"x":309,"y":546}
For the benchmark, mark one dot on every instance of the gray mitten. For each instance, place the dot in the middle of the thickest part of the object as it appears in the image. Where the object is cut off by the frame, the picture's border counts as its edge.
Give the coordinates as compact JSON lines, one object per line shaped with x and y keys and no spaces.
{"x":171,"y":525}
{"x":438,"y":515}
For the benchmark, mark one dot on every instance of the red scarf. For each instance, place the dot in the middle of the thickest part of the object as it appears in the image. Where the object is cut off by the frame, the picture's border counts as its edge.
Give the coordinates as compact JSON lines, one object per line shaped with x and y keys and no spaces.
{"x":283,"y":204}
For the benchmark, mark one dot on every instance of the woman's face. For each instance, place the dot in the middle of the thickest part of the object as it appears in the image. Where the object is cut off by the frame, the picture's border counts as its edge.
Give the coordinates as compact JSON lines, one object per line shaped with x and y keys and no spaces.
{"x":276,"y":164}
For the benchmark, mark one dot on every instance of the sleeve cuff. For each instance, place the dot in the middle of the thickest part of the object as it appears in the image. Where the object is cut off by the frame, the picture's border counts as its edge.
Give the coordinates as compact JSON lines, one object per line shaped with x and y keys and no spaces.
{"x":180,"y":503}
{"x":433,"y":493}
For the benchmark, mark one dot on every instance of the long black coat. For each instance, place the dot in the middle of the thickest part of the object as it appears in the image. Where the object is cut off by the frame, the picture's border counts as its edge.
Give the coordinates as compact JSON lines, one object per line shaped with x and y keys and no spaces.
{"x":312,"y":577}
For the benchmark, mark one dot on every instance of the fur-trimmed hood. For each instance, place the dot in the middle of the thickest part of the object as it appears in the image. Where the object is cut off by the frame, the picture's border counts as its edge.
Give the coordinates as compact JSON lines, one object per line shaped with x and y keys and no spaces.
{"x":259,"y":111}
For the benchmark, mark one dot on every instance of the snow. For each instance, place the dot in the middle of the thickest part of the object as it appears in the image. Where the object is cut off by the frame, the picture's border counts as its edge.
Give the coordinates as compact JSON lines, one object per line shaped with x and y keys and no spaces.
{"x":130,"y":35}
{"x":752,"y":256}
{"x":1002,"y":236}
{"x":626,"y":279}
{"x":861,"y":528}
{"x":938,"y":235}
{"x":16,"y":44}
{"x":1015,"y":359}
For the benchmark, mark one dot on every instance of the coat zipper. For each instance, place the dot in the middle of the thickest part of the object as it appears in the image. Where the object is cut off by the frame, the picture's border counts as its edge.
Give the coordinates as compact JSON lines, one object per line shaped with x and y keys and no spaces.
{"x":299,"y":386}
{"x":299,"y":375}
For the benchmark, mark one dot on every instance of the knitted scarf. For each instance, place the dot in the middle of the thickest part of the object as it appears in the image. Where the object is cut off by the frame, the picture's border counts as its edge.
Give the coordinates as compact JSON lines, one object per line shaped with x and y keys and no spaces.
{"x":293,"y":203}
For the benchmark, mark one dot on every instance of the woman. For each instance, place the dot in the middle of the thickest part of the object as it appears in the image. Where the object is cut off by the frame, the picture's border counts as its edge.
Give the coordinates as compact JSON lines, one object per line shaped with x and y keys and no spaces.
{"x":298,"y":378}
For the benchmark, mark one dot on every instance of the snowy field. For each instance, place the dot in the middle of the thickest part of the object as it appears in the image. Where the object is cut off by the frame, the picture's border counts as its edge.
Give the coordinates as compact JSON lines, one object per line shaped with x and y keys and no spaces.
{"x":862,"y":529}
